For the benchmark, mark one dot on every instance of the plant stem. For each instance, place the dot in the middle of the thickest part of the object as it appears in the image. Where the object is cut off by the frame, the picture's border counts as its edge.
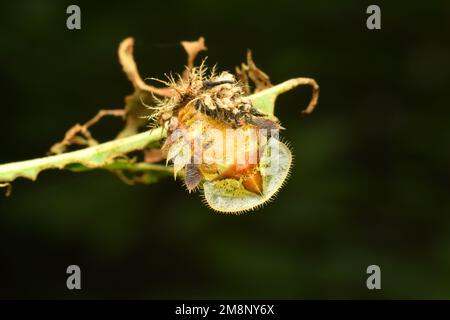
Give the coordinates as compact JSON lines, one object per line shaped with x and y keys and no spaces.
{"x":92,"y":157}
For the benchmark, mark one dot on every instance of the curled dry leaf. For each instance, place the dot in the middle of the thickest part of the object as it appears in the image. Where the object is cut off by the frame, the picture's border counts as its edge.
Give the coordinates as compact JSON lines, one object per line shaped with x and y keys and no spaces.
{"x":192,"y":48}
{"x":251,"y":72}
{"x":80,"y":135}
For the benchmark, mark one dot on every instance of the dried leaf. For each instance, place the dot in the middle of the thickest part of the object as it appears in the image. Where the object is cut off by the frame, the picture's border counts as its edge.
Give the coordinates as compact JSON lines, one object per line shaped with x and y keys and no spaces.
{"x":193,"y":48}
{"x":252,"y":72}
{"x":72,"y":136}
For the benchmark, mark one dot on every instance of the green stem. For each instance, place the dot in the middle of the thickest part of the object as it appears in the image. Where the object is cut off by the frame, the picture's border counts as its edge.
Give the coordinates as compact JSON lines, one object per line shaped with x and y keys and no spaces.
{"x":126,"y":166}
{"x":92,"y":157}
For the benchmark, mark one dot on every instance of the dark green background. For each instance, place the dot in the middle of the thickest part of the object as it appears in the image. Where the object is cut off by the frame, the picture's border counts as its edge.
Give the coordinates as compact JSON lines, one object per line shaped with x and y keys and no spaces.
{"x":370,"y":183}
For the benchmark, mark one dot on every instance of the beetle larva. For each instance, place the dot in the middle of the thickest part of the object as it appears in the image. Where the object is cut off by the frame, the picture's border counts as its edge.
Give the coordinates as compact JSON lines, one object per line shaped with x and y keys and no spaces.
{"x":221,"y":141}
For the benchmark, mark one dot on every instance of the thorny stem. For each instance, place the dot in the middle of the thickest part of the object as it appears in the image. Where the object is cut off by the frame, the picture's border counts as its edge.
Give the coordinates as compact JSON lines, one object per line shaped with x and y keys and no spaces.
{"x":93,"y":157}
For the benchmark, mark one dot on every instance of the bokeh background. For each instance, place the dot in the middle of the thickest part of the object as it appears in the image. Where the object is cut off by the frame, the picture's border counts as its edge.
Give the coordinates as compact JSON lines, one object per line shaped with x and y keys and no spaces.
{"x":370,"y":185}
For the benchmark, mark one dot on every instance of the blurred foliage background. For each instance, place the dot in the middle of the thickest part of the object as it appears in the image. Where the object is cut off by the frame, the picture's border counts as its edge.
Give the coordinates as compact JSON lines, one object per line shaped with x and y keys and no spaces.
{"x":370,"y":184}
